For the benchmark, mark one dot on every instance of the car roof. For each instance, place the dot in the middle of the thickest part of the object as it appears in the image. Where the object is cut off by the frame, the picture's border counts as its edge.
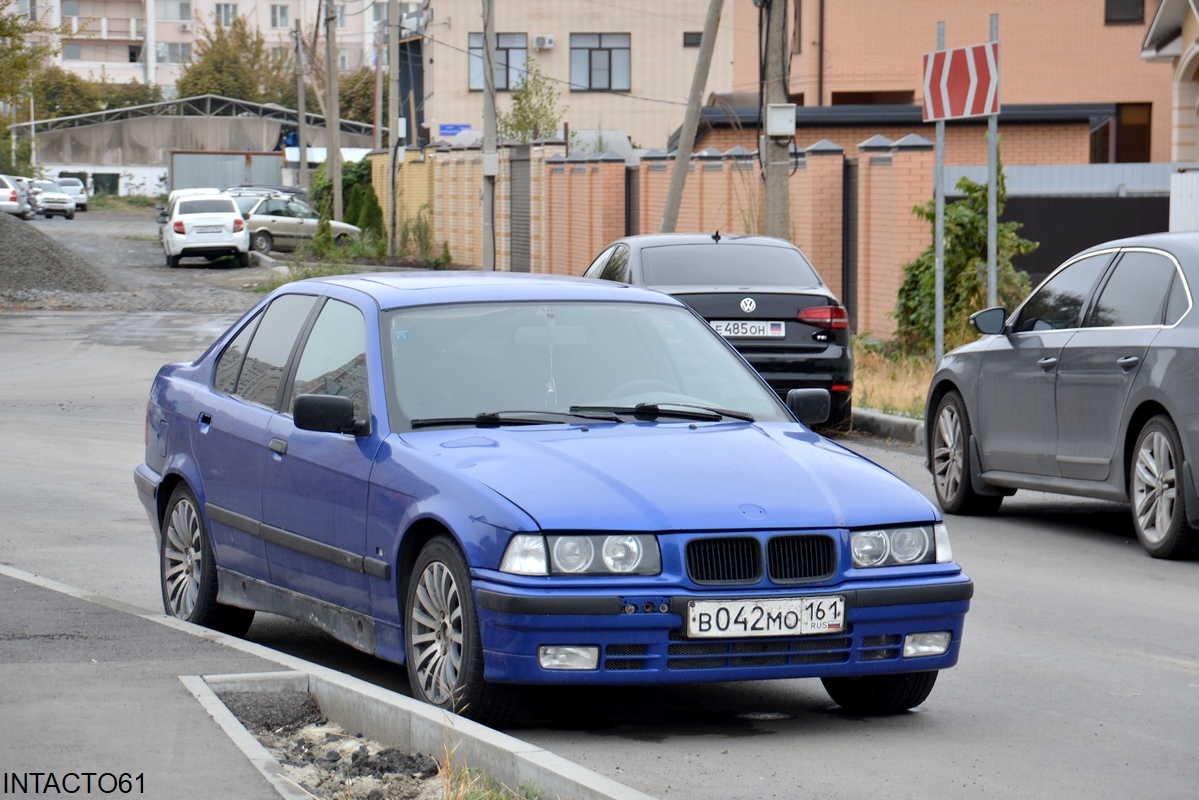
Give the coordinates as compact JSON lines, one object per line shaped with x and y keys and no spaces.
{"x":655,"y":239}
{"x":1184,"y":244}
{"x":398,"y":289}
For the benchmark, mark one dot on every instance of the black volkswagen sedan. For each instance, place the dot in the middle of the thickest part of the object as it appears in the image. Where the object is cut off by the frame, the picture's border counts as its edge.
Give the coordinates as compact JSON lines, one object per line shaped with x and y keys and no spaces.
{"x":760,"y":293}
{"x":1091,"y":388}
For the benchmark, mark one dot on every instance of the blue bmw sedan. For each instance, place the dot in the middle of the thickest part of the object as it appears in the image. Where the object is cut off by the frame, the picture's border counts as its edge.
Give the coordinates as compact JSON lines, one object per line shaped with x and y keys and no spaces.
{"x":507,"y":480}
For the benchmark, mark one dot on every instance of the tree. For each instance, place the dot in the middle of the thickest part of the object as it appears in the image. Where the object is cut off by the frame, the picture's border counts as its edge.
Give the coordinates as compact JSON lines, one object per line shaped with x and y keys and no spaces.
{"x":234,"y":61}
{"x":534,"y":107}
{"x":21,"y":55}
{"x":59,"y":93}
{"x":356,"y":94}
{"x":965,"y":270}
{"x":123,"y":95}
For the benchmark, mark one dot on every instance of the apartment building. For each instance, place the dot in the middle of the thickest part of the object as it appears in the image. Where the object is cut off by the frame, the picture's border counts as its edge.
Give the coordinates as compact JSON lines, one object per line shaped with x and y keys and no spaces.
{"x":151,"y":40}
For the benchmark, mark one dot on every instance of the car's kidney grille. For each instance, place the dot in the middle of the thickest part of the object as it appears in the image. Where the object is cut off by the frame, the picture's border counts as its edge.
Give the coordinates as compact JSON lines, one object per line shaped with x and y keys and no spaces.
{"x":802,"y":558}
{"x":715,"y":561}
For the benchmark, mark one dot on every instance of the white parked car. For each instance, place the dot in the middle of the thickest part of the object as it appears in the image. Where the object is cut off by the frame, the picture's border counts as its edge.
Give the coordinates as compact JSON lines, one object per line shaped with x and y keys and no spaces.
{"x":204,"y":226}
{"x":49,"y":199}
{"x":75,"y":188}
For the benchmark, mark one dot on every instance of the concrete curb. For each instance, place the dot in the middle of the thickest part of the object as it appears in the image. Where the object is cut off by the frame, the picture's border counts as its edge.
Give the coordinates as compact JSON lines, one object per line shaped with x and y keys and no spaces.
{"x":890,"y":426}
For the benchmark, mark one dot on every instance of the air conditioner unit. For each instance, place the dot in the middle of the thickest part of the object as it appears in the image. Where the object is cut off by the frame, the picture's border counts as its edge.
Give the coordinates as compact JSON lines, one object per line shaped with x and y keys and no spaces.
{"x":543,"y":42}
{"x":185,"y":26}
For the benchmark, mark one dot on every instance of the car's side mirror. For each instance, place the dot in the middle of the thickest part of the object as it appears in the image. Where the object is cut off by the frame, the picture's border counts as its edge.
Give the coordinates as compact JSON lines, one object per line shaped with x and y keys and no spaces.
{"x":989,"y":321}
{"x":162,"y":219}
{"x":328,"y":414}
{"x":160,"y":208}
{"x":810,"y":406}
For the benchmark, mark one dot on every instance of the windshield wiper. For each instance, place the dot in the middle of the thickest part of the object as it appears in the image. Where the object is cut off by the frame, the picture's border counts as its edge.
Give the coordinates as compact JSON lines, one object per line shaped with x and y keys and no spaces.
{"x":679,"y":410}
{"x":497,"y":419}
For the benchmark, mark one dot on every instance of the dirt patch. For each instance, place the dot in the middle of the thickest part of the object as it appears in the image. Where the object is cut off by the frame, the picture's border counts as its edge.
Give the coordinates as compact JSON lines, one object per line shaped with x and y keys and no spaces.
{"x":324,"y":759}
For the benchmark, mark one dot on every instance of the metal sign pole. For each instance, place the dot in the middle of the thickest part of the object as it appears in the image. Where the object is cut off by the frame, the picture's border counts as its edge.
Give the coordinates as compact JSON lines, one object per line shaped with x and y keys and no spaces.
{"x":992,"y":188}
{"x":939,"y":227}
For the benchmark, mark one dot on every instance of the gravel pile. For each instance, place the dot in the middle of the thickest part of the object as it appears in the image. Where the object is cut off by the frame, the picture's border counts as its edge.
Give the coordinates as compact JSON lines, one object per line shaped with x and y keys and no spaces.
{"x":326,"y":761}
{"x":32,"y":261}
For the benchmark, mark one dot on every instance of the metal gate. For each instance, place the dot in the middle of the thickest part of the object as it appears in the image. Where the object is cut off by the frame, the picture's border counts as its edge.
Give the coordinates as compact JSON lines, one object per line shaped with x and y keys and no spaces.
{"x":519,"y":204}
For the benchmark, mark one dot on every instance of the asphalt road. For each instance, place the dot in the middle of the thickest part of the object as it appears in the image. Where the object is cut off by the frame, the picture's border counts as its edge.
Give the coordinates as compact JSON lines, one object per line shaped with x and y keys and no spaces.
{"x":1079,"y":674}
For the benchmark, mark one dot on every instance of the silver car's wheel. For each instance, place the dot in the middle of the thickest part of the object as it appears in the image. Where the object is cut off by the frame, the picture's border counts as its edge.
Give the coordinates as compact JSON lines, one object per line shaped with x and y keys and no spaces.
{"x":437,"y":633}
{"x":262,"y":241}
{"x":950,"y":459}
{"x":1155,"y":491}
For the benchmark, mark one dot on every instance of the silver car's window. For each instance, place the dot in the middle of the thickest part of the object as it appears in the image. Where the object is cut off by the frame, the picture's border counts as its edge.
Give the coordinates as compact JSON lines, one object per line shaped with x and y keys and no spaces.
{"x":267,"y":357}
{"x":1135,"y":294}
{"x":301,"y":210}
{"x":1058,"y":303}
{"x":726,"y":264}
{"x":466,"y":359}
{"x":334,"y":358}
{"x":1179,"y":303}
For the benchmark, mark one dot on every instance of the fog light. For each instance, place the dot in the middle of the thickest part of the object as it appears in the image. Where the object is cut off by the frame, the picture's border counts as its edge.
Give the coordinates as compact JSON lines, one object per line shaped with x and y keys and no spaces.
{"x":567,"y":657}
{"x":919,"y":645}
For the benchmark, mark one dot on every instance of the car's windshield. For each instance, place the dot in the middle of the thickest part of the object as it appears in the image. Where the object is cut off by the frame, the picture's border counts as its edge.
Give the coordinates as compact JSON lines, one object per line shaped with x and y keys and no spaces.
{"x":458,"y":361}
{"x":73,"y":183}
{"x":726,"y":264}
{"x":215,"y":205}
{"x":48,"y":186}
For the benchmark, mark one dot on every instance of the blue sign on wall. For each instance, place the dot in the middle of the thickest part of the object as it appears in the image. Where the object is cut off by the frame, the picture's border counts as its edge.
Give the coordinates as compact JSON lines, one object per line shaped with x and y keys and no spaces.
{"x":452,"y":130}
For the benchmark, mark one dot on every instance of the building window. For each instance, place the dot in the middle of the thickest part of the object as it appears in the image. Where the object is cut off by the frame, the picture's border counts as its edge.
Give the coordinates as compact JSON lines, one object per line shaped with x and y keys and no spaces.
{"x":135,"y":53}
{"x":511,"y":52}
{"x":225,"y":14}
{"x":281,"y":56}
{"x":600,"y":62}
{"x":70,"y":8}
{"x":72,"y":52}
{"x":692,"y":39}
{"x":343,"y":59}
{"x":278,"y":16}
{"x":174,"y":52}
{"x":1121,"y":11}
{"x":173,"y":10}
{"x":379,"y":11}
{"x":27,"y":8}
{"x":341,"y":15}
{"x":873,"y":98}
{"x":1123,"y":139}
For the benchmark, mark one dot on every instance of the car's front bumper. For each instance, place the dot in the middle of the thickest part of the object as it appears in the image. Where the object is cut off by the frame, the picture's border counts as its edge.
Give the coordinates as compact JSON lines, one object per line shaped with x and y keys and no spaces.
{"x":647,"y":647}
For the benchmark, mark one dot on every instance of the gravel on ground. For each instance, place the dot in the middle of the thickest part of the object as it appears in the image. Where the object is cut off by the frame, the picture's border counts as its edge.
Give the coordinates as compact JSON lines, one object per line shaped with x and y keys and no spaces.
{"x":31,"y":260}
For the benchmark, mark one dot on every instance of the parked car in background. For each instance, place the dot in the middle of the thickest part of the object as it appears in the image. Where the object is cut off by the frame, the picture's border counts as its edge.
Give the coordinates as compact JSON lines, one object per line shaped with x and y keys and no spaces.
{"x":49,"y":199}
{"x":760,"y":293}
{"x":1090,"y":387}
{"x":168,"y":208}
{"x":14,"y":197}
{"x":279,"y":221}
{"x":502,"y":480}
{"x":75,"y":188}
{"x":207,"y":226}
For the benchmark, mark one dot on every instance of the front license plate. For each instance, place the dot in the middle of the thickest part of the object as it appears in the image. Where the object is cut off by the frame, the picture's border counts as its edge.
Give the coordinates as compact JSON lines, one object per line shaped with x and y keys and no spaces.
{"x":726,"y":619}
{"x":749,"y":329}
{"x":209,"y":228}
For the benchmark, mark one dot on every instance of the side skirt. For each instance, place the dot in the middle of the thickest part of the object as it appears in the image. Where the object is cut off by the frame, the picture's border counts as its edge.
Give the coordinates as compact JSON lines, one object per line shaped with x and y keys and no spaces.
{"x":352,"y":627}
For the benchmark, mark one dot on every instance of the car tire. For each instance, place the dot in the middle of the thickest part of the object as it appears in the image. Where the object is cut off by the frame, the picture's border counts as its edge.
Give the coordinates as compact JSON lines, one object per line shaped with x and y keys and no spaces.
{"x":443,"y":648}
{"x":262,"y":241}
{"x":343,"y":241}
{"x":187,"y":569}
{"x":173,"y":261}
{"x":70,"y":216}
{"x":243,"y":260}
{"x":951,"y":460}
{"x":1156,"y":493}
{"x":881,"y":694}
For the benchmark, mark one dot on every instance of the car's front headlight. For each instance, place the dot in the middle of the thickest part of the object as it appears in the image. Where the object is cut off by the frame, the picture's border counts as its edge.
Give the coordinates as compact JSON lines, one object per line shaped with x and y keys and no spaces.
{"x":894,"y":547}
{"x":582,"y":554}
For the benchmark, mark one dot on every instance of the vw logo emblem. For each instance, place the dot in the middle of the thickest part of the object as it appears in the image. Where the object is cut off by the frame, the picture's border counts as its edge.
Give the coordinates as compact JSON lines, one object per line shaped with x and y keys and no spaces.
{"x":748,"y":305}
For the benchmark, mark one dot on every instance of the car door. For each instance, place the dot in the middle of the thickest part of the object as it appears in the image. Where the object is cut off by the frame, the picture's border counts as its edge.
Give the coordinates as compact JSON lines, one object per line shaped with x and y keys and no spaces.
{"x":1017,"y":406}
{"x":1101,"y":361}
{"x":229,"y":439}
{"x":284,"y":228}
{"x":315,"y":483}
{"x":306,"y":220}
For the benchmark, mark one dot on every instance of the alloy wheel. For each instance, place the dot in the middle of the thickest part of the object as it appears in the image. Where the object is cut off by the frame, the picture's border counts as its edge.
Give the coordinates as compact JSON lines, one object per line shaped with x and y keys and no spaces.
{"x":1154,"y":486}
{"x":948,"y":453}
{"x":437,"y":636}
{"x":183,"y":559}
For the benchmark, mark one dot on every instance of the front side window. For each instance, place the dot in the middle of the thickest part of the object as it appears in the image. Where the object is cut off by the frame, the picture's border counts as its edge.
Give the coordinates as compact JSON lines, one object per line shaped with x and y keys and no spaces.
{"x":600,"y":62}
{"x":300,"y":210}
{"x":266,"y":360}
{"x":334,"y":358}
{"x":1058,"y":303}
{"x":511,"y":52}
{"x":278,"y":16}
{"x":617,"y":268}
{"x":1136,"y":292}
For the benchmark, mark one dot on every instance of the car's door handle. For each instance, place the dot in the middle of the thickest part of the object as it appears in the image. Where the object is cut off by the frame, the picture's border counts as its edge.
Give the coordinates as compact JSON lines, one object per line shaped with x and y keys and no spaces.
{"x":1047,"y":364}
{"x":279,"y":446}
{"x":205,"y":418}
{"x":1128,"y":362}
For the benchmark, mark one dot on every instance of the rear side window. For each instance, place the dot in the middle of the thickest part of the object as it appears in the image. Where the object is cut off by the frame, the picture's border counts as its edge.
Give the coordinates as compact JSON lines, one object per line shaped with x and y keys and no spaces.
{"x":334,"y":359}
{"x":266,"y":360}
{"x":207,"y":206}
{"x":1057,"y":305}
{"x":1136,"y":292}
{"x":727,"y":264}
{"x":1179,"y":302}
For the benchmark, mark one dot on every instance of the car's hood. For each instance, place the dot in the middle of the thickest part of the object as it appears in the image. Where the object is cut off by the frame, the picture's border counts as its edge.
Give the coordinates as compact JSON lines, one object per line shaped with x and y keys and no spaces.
{"x":57,"y":197}
{"x":671,"y":476}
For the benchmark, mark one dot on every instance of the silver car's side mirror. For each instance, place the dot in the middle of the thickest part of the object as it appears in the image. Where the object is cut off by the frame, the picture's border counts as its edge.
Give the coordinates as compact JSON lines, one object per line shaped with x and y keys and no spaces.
{"x":989,"y":321}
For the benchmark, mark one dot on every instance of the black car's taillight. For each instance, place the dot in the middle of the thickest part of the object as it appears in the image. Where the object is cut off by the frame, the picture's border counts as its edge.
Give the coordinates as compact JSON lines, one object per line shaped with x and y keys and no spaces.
{"x":829,"y":317}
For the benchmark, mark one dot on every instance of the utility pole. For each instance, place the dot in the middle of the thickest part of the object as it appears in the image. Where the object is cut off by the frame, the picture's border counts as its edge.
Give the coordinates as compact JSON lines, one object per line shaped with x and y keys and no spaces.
{"x":939,"y":228}
{"x":682,"y":157}
{"x":301,"y":110}
{"x":776,"y":152}
{"x":332,"y":110}
{"x":992,"y":190}
{"x":393,"y":105}
{"x":378,"y":117}
{"x":491,"y":166}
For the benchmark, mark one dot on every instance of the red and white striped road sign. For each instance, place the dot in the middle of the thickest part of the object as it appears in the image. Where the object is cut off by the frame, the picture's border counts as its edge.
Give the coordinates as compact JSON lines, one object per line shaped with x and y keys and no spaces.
{"x":962,"y":82}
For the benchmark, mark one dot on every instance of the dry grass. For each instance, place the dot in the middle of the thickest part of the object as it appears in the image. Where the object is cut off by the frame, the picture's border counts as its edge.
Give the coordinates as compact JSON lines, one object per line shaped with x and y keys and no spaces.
{"x":894,"y":384}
